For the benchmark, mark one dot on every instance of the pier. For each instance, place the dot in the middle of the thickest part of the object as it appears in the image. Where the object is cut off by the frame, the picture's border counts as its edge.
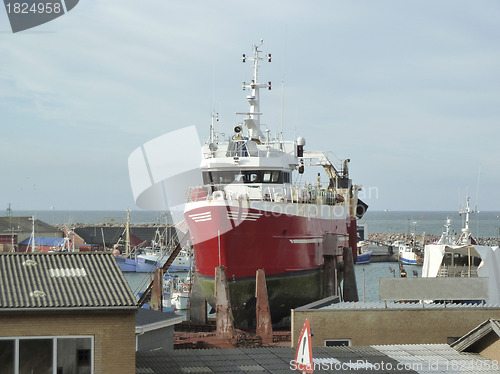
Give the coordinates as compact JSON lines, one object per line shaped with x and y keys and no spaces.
{"x":383,"y":253}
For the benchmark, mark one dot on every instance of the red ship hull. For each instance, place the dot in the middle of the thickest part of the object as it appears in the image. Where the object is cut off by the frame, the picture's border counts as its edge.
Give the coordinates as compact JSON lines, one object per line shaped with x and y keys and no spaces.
{"x":244,"y":240}
{"x":289,"y":247}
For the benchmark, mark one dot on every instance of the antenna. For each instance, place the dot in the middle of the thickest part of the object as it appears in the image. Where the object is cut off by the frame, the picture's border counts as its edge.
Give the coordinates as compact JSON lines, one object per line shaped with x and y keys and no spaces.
{"x":282,"y":111}
{"x":477,"y":187}
{"x":477,"y":198}
{"x":283,"y":97}
{"x":252,"y":120}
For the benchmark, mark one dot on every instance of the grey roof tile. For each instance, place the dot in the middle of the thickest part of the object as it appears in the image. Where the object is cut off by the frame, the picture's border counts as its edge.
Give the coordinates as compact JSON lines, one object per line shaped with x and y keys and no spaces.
{"x":416,"y":356}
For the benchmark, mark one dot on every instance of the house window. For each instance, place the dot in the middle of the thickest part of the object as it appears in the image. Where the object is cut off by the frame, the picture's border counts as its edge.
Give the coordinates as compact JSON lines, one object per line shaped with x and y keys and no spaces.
{"x":35,"y":355}
{"x":48,"y":355}
{"x":7,"y":356}
{"x":337,"y":342}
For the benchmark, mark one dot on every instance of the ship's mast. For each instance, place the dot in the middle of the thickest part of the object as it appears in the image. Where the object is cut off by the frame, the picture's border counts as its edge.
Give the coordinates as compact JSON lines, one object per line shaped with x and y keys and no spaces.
{"x":213,"y":135}
{"x":32,"y":238}
{"x":252,"y":120}
{"x":465,"y":237}
{"x":127,"y":236}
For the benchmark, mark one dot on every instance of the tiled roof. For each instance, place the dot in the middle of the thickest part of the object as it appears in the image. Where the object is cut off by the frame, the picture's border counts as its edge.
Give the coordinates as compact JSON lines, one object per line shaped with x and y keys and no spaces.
{"x":421,"y":358}
{"x":59,"y":281}
{"x":409,"y":305}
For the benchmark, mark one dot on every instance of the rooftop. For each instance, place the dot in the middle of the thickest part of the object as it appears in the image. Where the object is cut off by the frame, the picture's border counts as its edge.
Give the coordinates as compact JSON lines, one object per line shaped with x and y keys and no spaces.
{"x":62,"y":281}
{"x":421,"y":358}
{"x":148,"y":319}
{"x":24,"y":224}
{"x":468,"y":342}
{"x":403,"y":305}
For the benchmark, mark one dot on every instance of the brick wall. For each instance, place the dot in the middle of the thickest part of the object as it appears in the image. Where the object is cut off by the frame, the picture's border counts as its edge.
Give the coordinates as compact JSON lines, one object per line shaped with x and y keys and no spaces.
{"x":114,"y":334}
{"x":390,"y":326}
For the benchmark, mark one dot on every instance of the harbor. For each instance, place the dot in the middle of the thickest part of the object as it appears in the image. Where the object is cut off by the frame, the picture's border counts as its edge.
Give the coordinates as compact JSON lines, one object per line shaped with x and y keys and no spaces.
{"x":265,"y":231}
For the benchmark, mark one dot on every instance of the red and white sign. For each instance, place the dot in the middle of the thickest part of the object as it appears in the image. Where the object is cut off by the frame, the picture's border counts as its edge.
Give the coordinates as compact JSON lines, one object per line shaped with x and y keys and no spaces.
{"x":303,"y":357}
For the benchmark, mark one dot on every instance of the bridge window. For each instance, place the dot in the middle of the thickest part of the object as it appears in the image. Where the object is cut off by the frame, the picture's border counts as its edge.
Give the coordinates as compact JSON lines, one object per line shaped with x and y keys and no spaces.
{"x":246,"y":176}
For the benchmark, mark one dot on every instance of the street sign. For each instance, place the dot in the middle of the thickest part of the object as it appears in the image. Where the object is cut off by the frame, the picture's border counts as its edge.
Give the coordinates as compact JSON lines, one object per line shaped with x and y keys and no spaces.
{"x":303,"y":356}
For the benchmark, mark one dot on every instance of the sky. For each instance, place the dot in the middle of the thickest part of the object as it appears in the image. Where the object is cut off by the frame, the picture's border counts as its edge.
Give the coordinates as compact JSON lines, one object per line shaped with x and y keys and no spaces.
{"x":409,"y":91}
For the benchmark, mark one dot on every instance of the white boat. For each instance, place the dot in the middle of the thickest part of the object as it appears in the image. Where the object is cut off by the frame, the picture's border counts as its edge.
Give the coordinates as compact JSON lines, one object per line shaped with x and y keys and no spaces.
{"x":447,"y":237}
{"x":180,"y":297}
{"x":409,"y":255}
{"x":177,"y":291}
{"x":364,"y":254}
{"x":463,"y":258}
{"x":153,"y":258}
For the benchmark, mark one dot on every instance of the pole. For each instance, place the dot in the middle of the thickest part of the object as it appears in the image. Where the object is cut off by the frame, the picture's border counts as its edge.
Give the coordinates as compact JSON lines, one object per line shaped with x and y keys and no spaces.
{"x":468,"y":254}
{"x":364,"y":286}
{"x":218,"y":238}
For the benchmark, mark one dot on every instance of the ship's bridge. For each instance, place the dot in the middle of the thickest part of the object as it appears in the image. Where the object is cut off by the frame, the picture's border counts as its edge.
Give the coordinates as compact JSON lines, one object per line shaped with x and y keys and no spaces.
{"x":246,"y":176}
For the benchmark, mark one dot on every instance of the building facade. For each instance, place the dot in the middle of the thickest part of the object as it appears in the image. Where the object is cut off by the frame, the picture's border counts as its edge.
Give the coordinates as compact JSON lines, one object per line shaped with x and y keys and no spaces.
{"x":65,"y":313}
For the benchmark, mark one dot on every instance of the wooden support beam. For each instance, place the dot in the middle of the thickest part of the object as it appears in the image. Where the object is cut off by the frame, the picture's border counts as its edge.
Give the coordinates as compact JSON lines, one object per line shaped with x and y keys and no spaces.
{"x":264,"y":324}
{"x":224,"y":314}
{"x":156,"y":302}
{"x":350,"y":288}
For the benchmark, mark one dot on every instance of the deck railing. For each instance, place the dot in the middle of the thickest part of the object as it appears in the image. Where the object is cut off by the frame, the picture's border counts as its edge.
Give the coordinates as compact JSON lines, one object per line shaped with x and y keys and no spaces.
{"x":305,"y":195}
{"x":457,"y":271}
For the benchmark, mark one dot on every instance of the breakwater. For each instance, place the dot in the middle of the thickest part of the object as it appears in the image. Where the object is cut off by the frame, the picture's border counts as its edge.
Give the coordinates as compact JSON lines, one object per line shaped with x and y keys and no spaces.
{"x":389,"y":238}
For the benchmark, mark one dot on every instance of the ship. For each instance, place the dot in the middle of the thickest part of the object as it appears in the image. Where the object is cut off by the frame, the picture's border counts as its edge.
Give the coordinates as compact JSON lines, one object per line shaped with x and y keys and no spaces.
{"x":257,"y":209}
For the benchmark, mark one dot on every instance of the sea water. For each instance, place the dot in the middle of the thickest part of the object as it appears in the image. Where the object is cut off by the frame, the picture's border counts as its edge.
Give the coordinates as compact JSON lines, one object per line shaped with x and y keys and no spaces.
{"x":482,"y":225}
{"x":367,"y":277}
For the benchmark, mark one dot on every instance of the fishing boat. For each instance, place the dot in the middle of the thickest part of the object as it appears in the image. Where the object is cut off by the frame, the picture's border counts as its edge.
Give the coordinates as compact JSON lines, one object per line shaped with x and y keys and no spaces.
{"x":126,"y":257}
{"x":364,"y":254}
{"x":150,"y":259}
{"x":410,"y":255}
{"x":257,"y":210}
{"x":447,"y":236}
{"x":181,"y":291}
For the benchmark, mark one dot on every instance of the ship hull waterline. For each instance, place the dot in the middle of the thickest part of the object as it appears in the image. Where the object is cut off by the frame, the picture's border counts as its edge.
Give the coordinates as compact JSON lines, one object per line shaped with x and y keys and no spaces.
{"x":285,"y":292}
